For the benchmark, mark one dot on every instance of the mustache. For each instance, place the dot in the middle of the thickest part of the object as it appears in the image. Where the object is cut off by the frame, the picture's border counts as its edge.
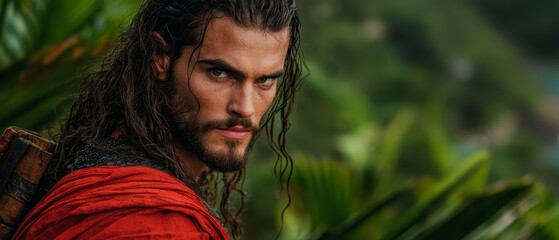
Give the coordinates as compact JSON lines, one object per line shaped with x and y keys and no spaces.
{"x":229,"y":123}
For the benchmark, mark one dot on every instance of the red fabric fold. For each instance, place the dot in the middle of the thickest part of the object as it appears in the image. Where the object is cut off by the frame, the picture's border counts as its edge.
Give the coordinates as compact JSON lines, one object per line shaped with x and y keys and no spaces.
{"x":120,"y":203}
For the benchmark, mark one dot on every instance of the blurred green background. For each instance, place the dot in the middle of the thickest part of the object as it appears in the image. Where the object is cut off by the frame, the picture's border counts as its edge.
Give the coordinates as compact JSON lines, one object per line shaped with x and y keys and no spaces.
{"x":424,"y":119}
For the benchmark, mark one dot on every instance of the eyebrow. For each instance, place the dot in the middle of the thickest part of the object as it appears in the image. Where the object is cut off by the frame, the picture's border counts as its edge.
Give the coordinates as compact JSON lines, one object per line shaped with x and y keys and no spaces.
{"x":236,"y":72}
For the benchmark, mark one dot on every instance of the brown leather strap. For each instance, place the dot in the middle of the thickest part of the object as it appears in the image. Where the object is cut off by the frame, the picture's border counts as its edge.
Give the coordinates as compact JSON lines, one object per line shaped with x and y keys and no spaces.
{"x":24,"y":157}
{"x":11,"y":158}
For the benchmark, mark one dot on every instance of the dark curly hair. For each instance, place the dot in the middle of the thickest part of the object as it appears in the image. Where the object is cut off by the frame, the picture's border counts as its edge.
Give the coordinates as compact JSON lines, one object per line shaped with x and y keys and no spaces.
{"x":124,"y":92}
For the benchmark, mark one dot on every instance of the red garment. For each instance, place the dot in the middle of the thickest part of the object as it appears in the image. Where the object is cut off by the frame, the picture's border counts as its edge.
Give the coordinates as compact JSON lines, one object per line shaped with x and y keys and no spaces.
{"x":120,"y":203}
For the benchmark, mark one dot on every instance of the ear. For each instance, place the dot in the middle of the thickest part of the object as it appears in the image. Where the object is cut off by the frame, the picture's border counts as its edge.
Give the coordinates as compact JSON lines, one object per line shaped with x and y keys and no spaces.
{"x":161,"y":60}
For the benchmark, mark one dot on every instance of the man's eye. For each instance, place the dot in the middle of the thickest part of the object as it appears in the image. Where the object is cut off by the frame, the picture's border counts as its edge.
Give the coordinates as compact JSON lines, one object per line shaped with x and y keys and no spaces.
{"x":266,"y":82}
{"x":218,"y":73}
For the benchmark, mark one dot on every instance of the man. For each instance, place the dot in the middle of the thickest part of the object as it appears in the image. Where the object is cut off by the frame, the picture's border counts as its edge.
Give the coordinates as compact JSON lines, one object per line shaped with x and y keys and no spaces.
{"x":184,"y":93}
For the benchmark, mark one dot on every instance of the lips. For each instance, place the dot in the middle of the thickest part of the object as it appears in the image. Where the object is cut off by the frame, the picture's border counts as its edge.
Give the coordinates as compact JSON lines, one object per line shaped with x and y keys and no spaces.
{"x":235,"y":133}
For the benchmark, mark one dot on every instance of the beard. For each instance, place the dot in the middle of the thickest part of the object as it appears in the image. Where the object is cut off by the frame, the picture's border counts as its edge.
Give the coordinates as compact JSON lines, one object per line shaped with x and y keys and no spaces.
{"x":190,"y":132}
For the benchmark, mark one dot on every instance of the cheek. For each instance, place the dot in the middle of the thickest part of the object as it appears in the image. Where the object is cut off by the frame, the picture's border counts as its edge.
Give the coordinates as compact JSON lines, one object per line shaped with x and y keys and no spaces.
{"x":265,"y":101}
{"x":210,"y":101}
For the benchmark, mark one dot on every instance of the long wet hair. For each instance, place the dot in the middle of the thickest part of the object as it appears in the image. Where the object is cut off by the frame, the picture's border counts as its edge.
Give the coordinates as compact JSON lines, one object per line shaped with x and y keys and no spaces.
{"x":124,"y":93}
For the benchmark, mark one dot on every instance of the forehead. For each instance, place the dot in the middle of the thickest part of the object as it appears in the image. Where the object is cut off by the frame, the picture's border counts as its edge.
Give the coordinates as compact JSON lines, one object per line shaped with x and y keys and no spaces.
{"x":244,"y":47}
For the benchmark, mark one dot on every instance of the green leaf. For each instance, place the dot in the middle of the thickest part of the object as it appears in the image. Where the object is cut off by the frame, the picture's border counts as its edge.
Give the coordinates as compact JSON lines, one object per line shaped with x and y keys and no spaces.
{"x":439,"y":146}
{"x":324,"y":184}
{"x":435,"y":196}
{"x":477,"y":182}
{"x":19,"y":34}
{"x":356,"y":147}
{"x":475,"y":212}
{"x":389,"y":152}
{"x":67,"y":17}
{"x":32,"y":107}
{"x":368,"y":212}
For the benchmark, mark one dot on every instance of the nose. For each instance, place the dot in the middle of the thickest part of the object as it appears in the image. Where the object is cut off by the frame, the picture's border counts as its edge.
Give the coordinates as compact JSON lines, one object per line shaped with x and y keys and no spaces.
{"x":242,"y":101}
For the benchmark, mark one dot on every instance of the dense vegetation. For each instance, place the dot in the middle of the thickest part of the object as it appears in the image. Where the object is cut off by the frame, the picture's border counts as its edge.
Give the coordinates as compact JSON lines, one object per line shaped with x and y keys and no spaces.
{"x":418,"y":119}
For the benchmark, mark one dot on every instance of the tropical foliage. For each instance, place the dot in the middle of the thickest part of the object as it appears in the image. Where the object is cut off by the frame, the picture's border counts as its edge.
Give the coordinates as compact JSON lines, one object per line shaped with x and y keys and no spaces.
{"x":425,"y":119}
{"x":44,"y":47}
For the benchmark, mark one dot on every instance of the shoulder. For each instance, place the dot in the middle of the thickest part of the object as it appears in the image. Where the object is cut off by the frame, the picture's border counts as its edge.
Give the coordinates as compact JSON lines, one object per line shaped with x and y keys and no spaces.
{"x":135,"y":201}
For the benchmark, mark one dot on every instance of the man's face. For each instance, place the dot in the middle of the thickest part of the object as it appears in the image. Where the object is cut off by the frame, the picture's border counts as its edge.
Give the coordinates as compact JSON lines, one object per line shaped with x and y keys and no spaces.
{"x":223,"y":92}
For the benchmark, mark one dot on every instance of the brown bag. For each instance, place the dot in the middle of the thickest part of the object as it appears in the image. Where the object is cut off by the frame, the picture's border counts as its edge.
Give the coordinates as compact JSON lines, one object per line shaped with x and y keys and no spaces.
{"x":24,"y":157}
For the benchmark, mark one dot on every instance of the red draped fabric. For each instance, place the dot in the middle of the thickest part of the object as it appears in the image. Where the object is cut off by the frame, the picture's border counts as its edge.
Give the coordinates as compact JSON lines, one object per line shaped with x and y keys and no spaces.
{"x":120,"y":203}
